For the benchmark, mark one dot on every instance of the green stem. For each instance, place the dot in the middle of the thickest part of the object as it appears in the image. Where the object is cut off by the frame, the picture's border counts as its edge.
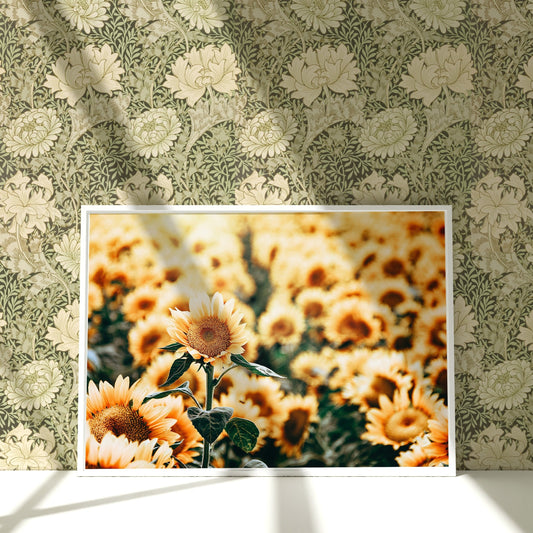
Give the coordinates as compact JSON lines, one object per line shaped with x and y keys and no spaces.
{"x":217,"y":381}
{"x":208,"y":405}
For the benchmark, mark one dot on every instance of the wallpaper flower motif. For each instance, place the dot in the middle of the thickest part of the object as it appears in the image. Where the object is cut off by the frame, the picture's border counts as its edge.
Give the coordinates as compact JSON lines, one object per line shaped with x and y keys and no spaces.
{"x":207,"y":68}
{"x":248,"y":102}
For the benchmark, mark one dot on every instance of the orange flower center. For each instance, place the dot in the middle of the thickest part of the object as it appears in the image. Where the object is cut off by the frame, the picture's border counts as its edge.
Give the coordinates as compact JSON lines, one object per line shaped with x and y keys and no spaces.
{"x":317,"y":277}
{"x":294,"y":428}
{"x":146,"y":304}
{"x":393,"y":267}
{"x":354,"y":328}
{"x":313,"y":309}
{"x":405,"y":425}
{"x":392,"y":298}
{"x":282,"y":328}
{"x":150,"y":341}
{"x":210,"y":336}
{"x":120,"y":420}
{"x":379,"y":386}
{"x":265,"y":409}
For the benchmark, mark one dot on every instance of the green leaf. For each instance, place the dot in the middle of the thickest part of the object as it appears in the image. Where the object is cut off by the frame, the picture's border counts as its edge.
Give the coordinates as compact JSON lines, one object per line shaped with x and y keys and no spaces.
{"x":260,"y":370}
{"x":243,"y":433}
{"x":182,"y":389}
{"x":255,"y":463}
{"x":178,"y":368}
{"x":209,"y":424}
{"x":171,"y":347}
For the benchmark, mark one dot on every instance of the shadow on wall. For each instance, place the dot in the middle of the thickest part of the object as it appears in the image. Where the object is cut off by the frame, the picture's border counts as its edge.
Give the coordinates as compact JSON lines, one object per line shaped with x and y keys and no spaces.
{"x":512,"y":491}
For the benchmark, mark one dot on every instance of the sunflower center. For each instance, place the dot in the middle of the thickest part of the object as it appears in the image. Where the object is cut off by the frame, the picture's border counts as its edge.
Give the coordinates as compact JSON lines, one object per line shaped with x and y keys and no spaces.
{"x":317,"y":277}
{"x":313,"y":309}
{"x":379,"y":386}
{"x":405,"y":425}
{"x":392,"y":298}
{"x":120,"y":420}
{"x":294,"y":428}
{"x":353,"y":328}
{"x":150,"y":341}
{"x":259,"y":399}
{"x":146,"y":304}
{"x":438,"y":334}
{"x":282,"y":328}
{"x":210,"y":336}
{"x":394,"y":267}
{"x":442,"y":380}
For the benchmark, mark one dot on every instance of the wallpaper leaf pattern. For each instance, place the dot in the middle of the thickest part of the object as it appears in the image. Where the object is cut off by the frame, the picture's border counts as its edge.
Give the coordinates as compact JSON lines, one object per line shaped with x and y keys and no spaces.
{"x":266,"y":102}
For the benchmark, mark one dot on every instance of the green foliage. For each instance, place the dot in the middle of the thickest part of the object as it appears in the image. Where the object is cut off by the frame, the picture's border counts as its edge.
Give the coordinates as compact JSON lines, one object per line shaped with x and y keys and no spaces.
{"x":178,"y":368}
{"x":260,"y":370}
{"x":209,"y":424}
{"x":182,"y":389}
{"x":243,"y":433}
{"x":171,"y":347}
{"x":255,"y":463}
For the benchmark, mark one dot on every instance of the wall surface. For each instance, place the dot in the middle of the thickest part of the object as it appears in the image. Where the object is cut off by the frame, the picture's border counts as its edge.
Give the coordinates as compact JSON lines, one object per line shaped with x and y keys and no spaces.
{"x":266,"y":101}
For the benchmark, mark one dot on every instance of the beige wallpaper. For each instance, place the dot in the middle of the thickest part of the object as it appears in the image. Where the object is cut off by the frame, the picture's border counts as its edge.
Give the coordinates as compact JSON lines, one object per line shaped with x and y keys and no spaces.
{"x":266,"y":101}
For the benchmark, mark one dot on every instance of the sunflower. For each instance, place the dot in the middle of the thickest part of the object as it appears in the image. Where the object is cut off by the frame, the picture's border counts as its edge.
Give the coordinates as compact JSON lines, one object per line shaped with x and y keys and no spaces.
{"x":323,"y":269}
{"x":111,"y":452}
{"x":157,"y":372}
{"x":246,"y":409}
{"x":313,"y":368}
{"x":438,"y":228}
{"x":281,"y":323}
{"x":119,"y":241}
{"x":314,"y":303}
{"x":300,"y":412}
{"x":422,"y":246}
{"x":347,"y":364}
{"x":233,"y":278}
{"x":190,"y":439}
{"x":414,"y":456}
{"x":251,"y":348}
{"x":95,"y":298}
{"x":395,"y":294}
{"x":437,"y":450}
{"x":119,"y":452}
{"x":119,"y":409}
{"x":391,"y":262}
{"x":265,"y":393}
{"x":429,"y":334}
{"x":211,"y":330}
{"x":140,"y":302}
{"x":349,"y":289}
{"x":147,"y":338}
{"x":401,"y":420}
{"x":363,"y":256}
{"x":265,"y":247}
{"x":174,"y":295}
{"x":399,"y":337}
{"x":119,"y":278}
{"x":382,"y":374}
{"x":438,"y":375}
{"x":352,"y":320}
{"x":151,"y":454}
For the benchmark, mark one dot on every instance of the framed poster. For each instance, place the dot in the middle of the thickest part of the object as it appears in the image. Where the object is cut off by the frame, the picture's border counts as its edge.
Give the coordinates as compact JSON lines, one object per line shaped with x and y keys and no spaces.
{"x":286,"y":341}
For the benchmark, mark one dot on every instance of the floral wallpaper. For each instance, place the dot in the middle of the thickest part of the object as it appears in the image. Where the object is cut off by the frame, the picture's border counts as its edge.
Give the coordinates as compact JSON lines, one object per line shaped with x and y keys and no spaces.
{"x":266,"y":102}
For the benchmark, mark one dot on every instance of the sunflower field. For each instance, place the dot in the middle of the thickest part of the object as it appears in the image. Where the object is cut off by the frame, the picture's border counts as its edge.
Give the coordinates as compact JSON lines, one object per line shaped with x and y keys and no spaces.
{"x":325,"y":332}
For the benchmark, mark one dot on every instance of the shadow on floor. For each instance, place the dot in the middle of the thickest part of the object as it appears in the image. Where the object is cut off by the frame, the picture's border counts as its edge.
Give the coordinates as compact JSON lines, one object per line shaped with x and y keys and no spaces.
{"x":512,"y":492}
{"x":29,"y":507}
{"x":293,"y":506}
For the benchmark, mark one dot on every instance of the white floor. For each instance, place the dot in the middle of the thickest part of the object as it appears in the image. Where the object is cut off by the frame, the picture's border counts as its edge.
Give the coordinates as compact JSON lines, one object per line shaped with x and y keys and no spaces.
{"x":499,"y":502}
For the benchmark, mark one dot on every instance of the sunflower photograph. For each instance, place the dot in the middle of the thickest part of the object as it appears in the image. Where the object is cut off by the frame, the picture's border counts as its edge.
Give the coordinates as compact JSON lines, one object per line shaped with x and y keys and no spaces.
{"x":285,"y":339}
